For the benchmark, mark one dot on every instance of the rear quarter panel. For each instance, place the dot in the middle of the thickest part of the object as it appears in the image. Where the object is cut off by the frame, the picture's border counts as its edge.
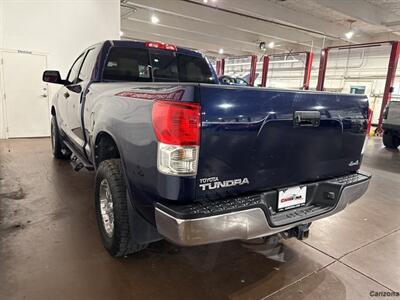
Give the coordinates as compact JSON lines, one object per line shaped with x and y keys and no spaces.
{"x":128,"y":120}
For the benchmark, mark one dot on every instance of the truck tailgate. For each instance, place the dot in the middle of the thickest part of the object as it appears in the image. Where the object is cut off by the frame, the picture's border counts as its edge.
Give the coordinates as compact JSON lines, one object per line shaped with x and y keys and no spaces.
{"x":256,"y":139}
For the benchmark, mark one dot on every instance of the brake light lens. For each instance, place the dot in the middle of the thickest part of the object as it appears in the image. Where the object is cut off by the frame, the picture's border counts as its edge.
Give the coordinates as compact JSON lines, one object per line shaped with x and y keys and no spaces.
{"x":170,"y":47}
{"x":176,"y":123}
{"x":160,"y":45}
{"x":177,"y":128}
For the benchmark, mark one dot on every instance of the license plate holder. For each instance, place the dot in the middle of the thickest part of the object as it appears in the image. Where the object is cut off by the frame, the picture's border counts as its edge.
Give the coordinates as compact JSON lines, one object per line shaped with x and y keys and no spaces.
{"x":292,"y":197}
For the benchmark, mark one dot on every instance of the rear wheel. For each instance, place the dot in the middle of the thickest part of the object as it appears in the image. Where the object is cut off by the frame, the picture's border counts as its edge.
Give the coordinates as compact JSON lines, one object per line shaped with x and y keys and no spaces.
{"x":390,"y":140}
{"x":112,"y":210}
{"x":57,"y":145}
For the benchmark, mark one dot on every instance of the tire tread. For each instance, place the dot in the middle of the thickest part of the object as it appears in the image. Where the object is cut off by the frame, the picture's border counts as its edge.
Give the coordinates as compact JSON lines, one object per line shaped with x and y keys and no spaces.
{"x":122,"y":242}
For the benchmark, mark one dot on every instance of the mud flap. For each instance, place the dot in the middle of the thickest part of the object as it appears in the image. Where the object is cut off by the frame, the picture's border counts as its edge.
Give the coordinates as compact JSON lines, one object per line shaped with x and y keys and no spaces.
{"x":142,"y":232}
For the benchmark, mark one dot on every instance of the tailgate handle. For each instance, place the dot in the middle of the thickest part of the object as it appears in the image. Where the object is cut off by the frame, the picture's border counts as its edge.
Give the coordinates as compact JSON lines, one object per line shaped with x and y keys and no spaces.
{"x":308,"y":118}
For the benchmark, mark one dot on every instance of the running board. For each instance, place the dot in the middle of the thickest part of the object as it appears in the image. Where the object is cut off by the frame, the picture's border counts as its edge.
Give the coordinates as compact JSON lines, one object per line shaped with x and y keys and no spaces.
{"x":77,"y":160}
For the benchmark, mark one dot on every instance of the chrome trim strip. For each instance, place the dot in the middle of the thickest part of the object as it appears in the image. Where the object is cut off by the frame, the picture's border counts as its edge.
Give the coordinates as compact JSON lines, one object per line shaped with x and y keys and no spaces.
{"x":245,"y":224}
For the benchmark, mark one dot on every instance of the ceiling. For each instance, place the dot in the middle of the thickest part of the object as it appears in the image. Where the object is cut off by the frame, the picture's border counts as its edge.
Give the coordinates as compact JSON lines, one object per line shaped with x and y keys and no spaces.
{"x":238,"y":26}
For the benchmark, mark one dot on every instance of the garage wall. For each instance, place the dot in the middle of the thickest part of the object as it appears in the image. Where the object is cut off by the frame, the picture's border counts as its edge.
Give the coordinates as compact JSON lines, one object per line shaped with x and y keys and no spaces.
{"x":357,"y":66}
{"x":364,"y":68}
{"x":59,"y":29}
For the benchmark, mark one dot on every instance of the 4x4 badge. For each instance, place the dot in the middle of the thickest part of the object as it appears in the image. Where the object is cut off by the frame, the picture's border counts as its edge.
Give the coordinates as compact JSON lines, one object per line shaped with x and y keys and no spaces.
{"x":354,"y":163}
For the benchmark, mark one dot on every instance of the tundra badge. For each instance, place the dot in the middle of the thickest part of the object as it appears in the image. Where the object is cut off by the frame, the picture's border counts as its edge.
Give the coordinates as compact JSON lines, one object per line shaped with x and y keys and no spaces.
{"x":212,"y":183}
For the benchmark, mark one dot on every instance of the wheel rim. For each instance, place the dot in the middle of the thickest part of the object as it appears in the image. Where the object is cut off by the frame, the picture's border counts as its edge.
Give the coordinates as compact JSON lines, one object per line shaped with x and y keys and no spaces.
{"x":106,"y":208}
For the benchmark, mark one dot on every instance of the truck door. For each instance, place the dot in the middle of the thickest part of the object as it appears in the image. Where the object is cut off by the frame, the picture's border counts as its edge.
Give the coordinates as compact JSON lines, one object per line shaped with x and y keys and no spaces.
{"x":75,"y":101}
{"x":68,"y":95}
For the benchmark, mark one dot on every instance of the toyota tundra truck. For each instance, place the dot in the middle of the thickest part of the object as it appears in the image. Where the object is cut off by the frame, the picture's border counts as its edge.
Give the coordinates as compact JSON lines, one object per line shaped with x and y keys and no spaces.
{"x":179,"y":156}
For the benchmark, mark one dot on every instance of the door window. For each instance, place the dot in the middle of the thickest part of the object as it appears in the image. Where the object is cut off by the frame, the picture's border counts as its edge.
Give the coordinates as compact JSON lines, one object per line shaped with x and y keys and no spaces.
{"x":73,"y":73}
{"x":88,"y":65}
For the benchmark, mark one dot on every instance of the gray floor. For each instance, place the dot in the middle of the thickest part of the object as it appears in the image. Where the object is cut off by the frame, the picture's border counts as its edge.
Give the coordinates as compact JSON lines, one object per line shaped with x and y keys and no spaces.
{"x":50,"y":247}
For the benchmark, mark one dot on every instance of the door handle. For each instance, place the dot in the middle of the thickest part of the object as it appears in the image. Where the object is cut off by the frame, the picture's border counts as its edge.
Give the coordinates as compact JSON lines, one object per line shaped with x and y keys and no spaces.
{"x":307,"y":118}
{"x":66,"y":95}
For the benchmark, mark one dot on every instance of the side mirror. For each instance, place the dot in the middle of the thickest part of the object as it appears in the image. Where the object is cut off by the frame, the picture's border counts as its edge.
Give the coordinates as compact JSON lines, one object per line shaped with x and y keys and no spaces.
{"x":52,"y":77}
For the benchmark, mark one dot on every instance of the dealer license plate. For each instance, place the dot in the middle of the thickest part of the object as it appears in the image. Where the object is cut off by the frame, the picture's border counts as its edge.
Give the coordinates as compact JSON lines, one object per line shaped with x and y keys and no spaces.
{"x":292,"y":197}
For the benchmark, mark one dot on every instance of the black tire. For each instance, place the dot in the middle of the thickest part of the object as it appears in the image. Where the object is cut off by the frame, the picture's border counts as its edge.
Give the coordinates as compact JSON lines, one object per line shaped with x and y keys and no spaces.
{"x":390,"y":140}
{"x":120,"y":242}
{"x":57,"y":145}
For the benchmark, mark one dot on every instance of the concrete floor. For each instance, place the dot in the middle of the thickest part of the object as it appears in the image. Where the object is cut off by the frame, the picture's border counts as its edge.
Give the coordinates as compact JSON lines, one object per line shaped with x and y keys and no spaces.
{"x":50,"y":247}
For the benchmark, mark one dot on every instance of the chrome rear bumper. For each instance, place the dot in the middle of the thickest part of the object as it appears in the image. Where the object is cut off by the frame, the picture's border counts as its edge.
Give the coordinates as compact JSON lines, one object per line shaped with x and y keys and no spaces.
{"x":243,"y":224}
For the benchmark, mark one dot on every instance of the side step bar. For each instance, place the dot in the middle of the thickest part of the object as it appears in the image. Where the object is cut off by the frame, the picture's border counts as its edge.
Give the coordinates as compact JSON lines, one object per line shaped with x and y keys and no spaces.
{"x":77,"y":160}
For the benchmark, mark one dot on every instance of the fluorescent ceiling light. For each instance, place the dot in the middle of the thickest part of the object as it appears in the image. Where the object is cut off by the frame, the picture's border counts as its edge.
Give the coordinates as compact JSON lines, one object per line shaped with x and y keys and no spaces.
{"x":349,"y":34}
{"x":154,"y":19}
{"x":221,"y":51}
{"x":271,"y":45}
{"x":121,"y":33}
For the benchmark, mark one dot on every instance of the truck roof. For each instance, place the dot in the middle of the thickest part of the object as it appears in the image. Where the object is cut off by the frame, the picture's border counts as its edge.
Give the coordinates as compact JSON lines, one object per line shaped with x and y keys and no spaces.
{"x":142,"y":44}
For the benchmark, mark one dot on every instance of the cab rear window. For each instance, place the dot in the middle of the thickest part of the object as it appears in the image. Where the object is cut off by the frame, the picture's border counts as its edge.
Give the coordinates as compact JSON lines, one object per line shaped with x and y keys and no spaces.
{"x":127,"y":64}
{"x":130,"y":64}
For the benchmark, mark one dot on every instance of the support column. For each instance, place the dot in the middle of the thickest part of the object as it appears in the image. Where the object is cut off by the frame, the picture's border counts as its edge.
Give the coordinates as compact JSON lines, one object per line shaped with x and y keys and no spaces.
{"x":264,"y":71}
{"x":253,"y":68}
{"x":390,"y":77}
{"x":322,"y":69}
{"x":307,"y":71}
{"x":218,"y":67}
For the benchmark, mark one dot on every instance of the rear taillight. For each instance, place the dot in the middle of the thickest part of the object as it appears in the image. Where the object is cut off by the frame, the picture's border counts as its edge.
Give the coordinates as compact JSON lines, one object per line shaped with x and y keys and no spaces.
{"x":176,"y":123}
{"x":177,"y":129}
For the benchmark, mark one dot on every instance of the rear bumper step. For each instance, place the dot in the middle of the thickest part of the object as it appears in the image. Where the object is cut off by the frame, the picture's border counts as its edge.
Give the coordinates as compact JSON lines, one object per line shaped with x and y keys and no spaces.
{"x":255,"y":216}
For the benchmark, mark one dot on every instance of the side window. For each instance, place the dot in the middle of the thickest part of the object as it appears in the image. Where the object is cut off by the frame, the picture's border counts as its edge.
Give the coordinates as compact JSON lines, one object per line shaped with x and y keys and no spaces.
{"x":194,"y":69}
{"x":73,"y":73}
{"x":88,"y":64}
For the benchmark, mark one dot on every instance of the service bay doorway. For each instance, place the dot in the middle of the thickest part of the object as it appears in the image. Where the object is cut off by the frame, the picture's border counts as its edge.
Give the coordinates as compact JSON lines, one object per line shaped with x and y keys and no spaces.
{"x":26,"y":97}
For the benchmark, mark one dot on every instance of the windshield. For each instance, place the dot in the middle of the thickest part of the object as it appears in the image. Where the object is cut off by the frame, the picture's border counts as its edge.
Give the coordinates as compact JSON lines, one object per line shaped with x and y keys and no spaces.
{"x":144,"y":65}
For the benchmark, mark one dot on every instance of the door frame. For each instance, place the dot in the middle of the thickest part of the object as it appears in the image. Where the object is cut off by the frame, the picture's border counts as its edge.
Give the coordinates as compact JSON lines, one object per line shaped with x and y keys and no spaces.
{"x":3,"y":105}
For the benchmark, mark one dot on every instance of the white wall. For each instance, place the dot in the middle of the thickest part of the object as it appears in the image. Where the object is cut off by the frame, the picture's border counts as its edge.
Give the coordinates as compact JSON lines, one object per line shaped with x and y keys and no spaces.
{"x":61,"y":29}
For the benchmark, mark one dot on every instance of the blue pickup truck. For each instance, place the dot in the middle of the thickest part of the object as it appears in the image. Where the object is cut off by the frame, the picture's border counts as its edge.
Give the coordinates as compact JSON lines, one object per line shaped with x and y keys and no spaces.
{"x":179,"y":156}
